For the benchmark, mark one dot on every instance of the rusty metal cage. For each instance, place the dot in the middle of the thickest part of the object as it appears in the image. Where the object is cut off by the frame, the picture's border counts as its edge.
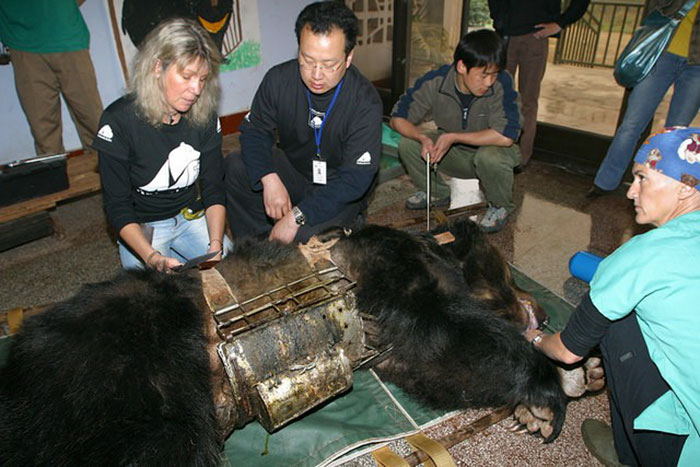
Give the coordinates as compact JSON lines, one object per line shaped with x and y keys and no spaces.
{"x":288,"y":349}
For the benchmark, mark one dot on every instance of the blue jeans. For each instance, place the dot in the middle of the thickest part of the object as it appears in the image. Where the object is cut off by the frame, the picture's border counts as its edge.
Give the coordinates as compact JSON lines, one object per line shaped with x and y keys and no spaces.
{"x":643,"y":101}
{"x":176,"y":237}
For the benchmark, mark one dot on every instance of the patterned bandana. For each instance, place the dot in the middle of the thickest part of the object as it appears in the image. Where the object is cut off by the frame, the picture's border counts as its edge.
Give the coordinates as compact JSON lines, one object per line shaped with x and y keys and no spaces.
{"x":674,"y":152}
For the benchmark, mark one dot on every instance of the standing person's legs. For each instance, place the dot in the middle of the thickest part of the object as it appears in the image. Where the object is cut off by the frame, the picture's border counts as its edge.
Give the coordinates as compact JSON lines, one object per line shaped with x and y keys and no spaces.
{"x":642,"y":103}
{"x":76,"y":75}
{"x":530,"y":54}
{"x":685,"y":102}
{"x":512,"y":58}
{"x":635,"y":382}
{"x":38,"y":92}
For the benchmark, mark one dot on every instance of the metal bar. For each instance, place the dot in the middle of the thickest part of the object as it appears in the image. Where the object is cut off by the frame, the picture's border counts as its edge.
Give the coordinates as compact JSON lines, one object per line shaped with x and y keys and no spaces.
{"x":580,"y":44}
{"x":315,"y":274}
{"x":619,"y":37}
{"x":427,"y":189}
{"x":607,"y":40}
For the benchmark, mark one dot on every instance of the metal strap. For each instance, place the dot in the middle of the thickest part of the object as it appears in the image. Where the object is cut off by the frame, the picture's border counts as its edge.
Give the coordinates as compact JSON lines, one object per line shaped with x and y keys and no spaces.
{"x":427,"y":189}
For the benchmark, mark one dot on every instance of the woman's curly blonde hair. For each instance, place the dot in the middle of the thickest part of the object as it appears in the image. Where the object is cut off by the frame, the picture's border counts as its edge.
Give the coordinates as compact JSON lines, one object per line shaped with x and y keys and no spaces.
{"x":175,"y":42}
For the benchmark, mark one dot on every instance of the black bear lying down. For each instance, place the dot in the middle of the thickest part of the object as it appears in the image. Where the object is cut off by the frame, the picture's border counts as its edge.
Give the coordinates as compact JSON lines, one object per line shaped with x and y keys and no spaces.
{"x":121,"y":374}
{"x":117,"y":375}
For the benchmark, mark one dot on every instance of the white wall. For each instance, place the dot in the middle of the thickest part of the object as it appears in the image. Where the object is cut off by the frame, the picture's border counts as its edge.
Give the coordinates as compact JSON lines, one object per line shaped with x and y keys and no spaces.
{"x":278,"y":44}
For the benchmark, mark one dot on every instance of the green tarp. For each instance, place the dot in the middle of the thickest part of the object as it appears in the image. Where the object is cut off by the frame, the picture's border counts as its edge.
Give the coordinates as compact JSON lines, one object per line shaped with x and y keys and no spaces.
{"x":367,"y":412}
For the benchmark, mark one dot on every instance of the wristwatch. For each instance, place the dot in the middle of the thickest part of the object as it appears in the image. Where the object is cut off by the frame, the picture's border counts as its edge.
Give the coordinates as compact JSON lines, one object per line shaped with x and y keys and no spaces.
{"x":298,"y":216}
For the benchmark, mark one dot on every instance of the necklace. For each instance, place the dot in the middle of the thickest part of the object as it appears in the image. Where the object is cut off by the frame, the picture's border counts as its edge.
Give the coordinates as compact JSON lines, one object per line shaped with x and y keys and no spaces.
{"x":172,"y":119}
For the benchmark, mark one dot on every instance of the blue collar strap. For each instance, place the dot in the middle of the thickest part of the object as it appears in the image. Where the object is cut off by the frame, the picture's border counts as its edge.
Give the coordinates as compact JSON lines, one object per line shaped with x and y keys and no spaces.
{"x":319,"y":131}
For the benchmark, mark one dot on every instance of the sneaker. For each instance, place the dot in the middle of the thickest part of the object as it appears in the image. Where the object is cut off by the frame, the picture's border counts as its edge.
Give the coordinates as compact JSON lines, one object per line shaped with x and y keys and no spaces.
{"x":418,"y":201}
{"x":494,"y":219}
{"x":598,"y":438}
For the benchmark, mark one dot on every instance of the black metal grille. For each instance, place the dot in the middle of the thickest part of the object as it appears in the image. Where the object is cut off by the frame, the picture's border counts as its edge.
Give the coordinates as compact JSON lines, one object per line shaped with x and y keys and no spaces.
{"x":599,"y":37}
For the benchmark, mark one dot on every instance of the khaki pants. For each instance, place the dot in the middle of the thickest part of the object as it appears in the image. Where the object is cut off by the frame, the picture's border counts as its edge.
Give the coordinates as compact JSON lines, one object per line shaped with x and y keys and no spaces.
{"x":528,"y":55}
{"x":40,"y":79}
{"x":492,"y":165}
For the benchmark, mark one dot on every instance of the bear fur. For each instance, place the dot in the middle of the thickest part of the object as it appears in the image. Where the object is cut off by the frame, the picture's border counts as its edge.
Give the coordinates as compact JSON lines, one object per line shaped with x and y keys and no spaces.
{"x":120,"y":373}
{"x":117,"y":375}
{"x":451,"y":315}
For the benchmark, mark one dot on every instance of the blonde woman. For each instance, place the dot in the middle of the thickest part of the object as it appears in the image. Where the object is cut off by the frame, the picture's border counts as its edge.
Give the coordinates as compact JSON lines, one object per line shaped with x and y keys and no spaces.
{"x":159,"y":150}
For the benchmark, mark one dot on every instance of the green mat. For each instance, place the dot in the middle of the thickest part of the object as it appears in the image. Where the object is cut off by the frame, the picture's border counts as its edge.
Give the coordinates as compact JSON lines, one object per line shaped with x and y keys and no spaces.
{"x":370,"y":412}
{"x":390,"y":137}
{"x":389,"y":164}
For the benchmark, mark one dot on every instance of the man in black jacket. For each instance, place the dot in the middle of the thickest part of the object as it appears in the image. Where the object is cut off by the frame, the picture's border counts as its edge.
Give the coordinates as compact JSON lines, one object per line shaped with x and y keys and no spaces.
{"x":327,"y":117}
{"x":526,"y":26}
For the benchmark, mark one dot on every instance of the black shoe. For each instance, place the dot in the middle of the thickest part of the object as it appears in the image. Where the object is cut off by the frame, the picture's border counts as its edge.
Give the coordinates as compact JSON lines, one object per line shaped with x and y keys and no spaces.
{"x":596,"y":192}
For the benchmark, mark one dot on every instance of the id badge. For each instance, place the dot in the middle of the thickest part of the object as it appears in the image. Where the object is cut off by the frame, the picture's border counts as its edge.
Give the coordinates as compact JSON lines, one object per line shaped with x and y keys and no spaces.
{"x":319,"y":170}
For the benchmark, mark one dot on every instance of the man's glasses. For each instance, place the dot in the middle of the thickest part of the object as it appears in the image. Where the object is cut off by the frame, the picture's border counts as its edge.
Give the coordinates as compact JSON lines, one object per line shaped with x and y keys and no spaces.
{"x":324,"y":69}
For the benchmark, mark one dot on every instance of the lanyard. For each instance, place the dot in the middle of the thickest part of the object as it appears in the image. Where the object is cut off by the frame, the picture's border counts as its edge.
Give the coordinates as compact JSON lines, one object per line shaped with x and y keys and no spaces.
{"x":318,"y":131}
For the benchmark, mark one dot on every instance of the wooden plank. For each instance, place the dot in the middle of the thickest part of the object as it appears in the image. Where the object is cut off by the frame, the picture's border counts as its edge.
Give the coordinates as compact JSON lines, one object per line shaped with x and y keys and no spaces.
{"x":25,"y":229}
{"x":83,"y":178}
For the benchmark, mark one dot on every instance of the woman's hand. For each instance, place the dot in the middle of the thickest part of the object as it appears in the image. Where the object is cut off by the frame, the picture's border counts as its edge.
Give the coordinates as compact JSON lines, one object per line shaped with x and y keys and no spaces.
{"x":214,"y":245}
{"x":162,"y":263}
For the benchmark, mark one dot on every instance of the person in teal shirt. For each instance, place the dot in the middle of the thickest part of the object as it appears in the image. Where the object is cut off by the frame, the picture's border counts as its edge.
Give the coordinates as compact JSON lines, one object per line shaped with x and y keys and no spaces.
{"x":643,"y":310}
{"x":48,"y":42}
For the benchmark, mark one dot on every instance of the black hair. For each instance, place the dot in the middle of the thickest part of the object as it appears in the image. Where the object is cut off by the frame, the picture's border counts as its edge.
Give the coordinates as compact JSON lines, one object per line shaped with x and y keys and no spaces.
{"x":322,"y":17}
{"x":481,"y":48}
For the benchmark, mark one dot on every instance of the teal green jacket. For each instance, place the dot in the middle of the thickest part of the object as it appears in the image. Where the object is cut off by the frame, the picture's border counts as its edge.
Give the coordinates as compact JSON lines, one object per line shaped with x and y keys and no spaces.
{"x":657,"y":274}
